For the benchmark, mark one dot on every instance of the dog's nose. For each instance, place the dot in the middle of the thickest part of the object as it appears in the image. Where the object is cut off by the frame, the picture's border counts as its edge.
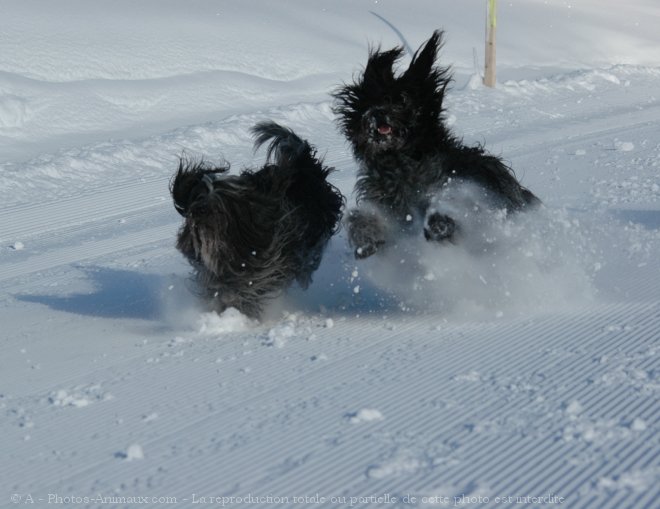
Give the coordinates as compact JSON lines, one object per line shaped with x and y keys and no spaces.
{"x":378,"y":116}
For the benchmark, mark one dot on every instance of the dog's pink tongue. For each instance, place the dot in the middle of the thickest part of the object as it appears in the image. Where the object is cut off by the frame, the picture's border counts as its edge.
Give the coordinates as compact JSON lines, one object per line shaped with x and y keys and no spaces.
{"x":385,"y":129}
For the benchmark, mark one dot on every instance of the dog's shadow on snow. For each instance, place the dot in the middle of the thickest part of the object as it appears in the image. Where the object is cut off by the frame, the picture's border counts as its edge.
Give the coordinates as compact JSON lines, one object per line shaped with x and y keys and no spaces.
{"x":338,"y":288}
{"x":115,"y":294}
{"x":125,"y":294}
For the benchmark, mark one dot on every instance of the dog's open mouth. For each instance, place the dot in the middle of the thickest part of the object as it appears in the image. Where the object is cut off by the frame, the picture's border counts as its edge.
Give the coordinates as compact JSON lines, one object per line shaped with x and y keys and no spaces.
{"x":385,"y":129}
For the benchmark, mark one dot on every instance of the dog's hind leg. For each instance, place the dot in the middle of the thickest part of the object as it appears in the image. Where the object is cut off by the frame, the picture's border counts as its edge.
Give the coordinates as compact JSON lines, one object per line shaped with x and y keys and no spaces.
{"x":367,"y":231}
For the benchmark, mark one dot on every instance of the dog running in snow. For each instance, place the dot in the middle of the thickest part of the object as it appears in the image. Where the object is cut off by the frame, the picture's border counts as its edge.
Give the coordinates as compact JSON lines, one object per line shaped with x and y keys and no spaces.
{"x":248,"y":237}
{"x":410,"y":163}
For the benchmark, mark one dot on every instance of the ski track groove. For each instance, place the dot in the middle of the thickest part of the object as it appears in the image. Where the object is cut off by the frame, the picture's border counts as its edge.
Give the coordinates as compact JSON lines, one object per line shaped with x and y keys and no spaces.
{"x":26,"y":221}
{"x":195,"y":424}
{"x":597,"y":470}
{"x":402,"y":332}
{"x":576,"y":132}
{"x":359,"y":453}
{"x":226,"y":413}
{"x":85,"y":251}
{"x":552,"y":454}
{"x":51,"y":240}
{"x":634,"y":457}
{"x":487,"y":467}
{"x":571,"y":483}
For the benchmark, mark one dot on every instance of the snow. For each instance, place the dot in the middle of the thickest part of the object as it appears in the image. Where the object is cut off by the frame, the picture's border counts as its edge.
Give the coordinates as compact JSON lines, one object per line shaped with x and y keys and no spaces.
{"x":279,"y":335}
{"x":133,"y":452}
{"x":79,"y":396}
{"x":230,"y":320}
{"x":518,"y":366}
{"x":624,"y":146}
{"x":638,"y":425}
{"x":574,"y":408}
{"x":365,"y":415}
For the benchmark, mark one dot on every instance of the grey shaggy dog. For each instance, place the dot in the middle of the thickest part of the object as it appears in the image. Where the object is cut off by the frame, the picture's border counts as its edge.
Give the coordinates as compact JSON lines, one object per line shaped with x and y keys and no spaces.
{"x":409,"y":161}
{"x":250,"y":236}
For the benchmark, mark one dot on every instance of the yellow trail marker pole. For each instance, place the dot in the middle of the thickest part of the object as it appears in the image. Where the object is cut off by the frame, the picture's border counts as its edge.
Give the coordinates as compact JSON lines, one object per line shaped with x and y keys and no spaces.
{"x":491,"y":25}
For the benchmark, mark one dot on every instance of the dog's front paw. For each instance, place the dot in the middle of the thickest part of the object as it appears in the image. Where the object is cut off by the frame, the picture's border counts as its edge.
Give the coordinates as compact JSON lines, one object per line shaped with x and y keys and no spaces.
{"x":439,"y":227}
{"x":365,"y":251}
{"x":367,"y":232}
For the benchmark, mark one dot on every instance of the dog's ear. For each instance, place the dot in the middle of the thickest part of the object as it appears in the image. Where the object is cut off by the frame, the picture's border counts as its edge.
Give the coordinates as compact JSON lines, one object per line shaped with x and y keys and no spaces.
{"x":380,"y":67}
{"x":428,"y":80}
{"x":424,"y":58}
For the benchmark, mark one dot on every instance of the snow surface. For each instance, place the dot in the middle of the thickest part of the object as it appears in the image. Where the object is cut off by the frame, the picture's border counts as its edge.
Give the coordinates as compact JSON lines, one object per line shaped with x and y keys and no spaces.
{"x":518,"y":369}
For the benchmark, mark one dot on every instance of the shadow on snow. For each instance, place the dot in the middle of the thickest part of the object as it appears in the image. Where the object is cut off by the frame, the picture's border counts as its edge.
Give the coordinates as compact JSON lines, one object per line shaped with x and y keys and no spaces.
{"x":116,"y":294}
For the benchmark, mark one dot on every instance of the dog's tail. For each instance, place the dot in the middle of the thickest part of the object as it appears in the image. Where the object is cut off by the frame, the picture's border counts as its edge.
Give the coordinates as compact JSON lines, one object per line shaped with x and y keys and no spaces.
{"x":286,"y":148}
{"x":305,"y":176}
{"x":192,"y":181}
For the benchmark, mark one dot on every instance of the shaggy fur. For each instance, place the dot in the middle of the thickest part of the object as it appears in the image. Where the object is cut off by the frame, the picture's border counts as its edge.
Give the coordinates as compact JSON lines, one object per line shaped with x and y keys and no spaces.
{"x":252,"y":235}
{"x":407,"y":155}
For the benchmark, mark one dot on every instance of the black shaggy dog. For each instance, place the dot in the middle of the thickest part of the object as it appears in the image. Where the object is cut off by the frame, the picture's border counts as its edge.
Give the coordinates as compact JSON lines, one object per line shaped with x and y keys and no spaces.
{"x":252,"y":235}
{"x":409,"y":160}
